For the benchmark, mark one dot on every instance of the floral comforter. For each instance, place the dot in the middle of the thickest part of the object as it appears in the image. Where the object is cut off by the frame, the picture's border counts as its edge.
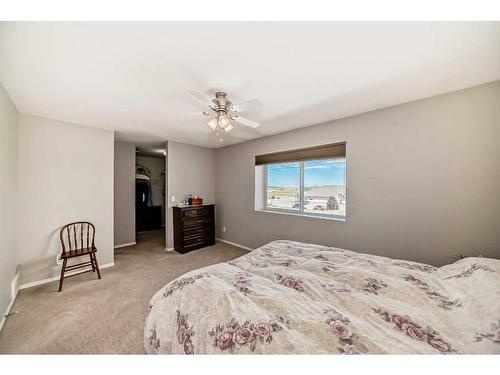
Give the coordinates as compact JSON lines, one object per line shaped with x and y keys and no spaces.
{"x":289,"y":297}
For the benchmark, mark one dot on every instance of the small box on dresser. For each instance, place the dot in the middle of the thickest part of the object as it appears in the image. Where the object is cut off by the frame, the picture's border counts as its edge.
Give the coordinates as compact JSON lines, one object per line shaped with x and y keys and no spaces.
{"x":194,"y":227}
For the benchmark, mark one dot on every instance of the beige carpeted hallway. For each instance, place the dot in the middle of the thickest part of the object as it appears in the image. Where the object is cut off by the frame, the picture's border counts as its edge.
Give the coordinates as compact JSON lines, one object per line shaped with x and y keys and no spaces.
{"x":105,"y":316}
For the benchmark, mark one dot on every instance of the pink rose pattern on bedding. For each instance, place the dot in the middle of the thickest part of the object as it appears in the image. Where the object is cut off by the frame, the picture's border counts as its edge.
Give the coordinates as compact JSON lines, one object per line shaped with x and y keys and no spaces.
{"x":184,"y":333}
{"x":181,"y":283}
{"x":233,"y":334}
{"x":152,"y":341}
{"x":340,"y":326}
{"x":470,"y":271}
{"x":443,"y":301}
{"x":493,"y":335}
{"x":336,"y":288}
{"x":290,"y":282}
{"x":373,"y":286}
{"x":415,"y":331}
{"x":289,"y":297}
{"x":416,"y":266}
{"x":242,"y":282}
{"x":327,"y":264}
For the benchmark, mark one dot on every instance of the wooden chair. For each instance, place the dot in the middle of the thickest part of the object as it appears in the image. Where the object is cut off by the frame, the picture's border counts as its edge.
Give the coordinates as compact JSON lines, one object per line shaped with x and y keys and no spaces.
{"x":77,"y":239}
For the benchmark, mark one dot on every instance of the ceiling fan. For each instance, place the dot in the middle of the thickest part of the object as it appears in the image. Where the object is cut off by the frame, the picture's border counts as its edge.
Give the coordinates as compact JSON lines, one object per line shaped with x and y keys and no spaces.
{"x":224,"y":113}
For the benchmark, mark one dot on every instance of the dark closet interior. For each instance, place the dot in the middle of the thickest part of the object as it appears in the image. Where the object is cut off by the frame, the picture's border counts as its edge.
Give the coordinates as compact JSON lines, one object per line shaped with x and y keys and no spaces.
{"x":149,"y":196}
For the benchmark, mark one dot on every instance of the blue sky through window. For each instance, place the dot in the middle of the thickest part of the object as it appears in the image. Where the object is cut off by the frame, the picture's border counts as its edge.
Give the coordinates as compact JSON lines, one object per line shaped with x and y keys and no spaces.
{"x":318,"y":172}
{"x":287,"y":175}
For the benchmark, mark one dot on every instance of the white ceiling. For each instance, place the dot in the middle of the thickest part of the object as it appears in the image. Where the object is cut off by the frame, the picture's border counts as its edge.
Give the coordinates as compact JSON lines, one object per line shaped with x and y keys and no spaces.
{"x":134,"y":77}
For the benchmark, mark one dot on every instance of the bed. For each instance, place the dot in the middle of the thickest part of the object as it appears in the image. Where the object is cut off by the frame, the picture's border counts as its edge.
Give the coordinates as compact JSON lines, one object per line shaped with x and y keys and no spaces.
{"x":294,"y":298}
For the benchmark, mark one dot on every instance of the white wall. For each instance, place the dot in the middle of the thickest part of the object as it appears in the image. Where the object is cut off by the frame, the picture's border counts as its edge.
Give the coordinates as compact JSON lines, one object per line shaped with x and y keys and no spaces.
{"x":191,"y":169}
{"x":65,"y":175}
{"x":8,"y":195}
{"x":423,"y":181}
{"x":124,"y":194}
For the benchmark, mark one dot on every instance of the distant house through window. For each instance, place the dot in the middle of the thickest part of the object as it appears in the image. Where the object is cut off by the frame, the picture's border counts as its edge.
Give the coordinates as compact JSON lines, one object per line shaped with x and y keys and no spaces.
{"x":315,"y":186}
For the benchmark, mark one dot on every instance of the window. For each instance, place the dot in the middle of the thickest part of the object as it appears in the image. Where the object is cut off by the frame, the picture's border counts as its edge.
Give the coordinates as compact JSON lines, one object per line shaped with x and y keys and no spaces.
{"x":324,"y":187}
{"x":314,"y":186}
{"x":283,"y":186}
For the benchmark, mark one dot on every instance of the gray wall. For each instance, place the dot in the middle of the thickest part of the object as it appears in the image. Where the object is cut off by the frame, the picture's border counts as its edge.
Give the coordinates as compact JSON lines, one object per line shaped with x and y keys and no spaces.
{"x":8,"y":197}
{"x":191,"y":169}
{"x":124,"y":193}
{"x":423,"y":181}
{"x":65,"y":175}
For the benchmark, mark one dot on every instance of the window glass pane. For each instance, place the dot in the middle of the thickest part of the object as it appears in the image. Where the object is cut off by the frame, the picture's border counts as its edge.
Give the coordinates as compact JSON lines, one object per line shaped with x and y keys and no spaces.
{"x":283,"y":186}
{"x":324,"y":187}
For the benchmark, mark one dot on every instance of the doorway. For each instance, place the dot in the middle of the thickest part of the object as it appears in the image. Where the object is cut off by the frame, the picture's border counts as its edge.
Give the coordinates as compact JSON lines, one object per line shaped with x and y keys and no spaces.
{"x":150,"y":175}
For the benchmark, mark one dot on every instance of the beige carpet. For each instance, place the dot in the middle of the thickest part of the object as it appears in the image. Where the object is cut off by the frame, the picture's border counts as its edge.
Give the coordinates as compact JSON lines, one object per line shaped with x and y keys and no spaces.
{"x":105,"y":316}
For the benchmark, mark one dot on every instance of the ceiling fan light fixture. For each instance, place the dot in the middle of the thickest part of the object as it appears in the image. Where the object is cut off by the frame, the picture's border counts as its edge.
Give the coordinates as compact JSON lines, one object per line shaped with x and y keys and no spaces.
{"x":223,"y":122}
{"x":213,"y":124}
{"x":225,"y":114}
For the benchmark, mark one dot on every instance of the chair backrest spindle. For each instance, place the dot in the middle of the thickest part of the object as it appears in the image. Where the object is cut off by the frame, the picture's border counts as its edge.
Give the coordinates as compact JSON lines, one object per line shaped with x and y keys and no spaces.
{"x":88,"y":230}
{"x":74,"y":236}
{"x":69,"y":238}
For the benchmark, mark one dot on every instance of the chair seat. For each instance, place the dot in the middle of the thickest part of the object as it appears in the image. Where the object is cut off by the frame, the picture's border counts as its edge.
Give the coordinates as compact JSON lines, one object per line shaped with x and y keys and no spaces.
{"x":78,"y":252}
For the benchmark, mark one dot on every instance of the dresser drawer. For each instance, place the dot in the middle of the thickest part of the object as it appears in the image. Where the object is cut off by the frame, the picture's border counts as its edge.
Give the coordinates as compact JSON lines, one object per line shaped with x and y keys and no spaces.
{"x":193,"y":223}
{"x":194,"y":241}
{"x":202,"y":230}
{"x":196,"y":212}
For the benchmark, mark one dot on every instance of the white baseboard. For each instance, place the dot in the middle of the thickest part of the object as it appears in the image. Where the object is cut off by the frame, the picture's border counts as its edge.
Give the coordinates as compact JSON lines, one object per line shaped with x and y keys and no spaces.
{"x":125,"y":245}
{"x":56,"y":278}
{"x":14,"y":291}
{"x":14,"y":285}
{"x":167,"y":249}
{"x":235,"y":244}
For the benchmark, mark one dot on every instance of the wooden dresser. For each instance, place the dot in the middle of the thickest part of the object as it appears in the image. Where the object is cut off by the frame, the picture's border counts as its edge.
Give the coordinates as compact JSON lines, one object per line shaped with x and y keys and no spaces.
{"x":194,"y":227}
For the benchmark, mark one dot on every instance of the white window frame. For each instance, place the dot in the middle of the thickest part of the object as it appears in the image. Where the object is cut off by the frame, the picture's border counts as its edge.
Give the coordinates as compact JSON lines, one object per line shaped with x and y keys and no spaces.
{"x":300,"y":211}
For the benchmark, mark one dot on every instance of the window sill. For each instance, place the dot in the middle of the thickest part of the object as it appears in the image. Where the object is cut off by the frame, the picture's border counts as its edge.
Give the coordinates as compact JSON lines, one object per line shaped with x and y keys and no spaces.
{"x":302,"y":215}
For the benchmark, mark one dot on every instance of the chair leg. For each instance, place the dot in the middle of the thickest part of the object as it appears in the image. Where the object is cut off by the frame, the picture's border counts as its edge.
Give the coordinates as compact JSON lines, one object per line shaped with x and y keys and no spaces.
{"x":96,"y":266}
{"x":63,"y":269}
{"x":92,"y":262}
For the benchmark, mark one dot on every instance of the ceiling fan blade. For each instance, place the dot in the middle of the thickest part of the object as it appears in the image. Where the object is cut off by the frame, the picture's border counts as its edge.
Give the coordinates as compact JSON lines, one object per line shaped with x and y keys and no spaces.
{"x":246,"y":122}
{"x":202,"y":98}
{"x":204,"y":113}
{"x":249,"y":105}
